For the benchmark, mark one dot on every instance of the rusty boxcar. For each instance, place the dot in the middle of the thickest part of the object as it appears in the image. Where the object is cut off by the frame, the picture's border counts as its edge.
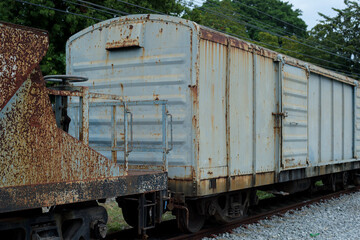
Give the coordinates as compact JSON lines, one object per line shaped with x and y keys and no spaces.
{"x":51,"y":183}
{"x":242,"y":117}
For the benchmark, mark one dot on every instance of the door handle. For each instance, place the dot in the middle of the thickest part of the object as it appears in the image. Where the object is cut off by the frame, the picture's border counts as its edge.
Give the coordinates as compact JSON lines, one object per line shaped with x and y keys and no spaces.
{"x":281,"y":114}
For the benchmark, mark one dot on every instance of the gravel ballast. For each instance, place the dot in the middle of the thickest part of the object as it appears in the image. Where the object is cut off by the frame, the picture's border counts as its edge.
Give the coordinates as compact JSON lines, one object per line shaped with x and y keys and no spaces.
{"x":332,"y":219}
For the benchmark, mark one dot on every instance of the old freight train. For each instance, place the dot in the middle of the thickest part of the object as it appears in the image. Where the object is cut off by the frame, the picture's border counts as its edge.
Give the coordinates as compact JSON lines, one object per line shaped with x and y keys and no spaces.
{"x":243,"y":117}
{"x":169,"y":105}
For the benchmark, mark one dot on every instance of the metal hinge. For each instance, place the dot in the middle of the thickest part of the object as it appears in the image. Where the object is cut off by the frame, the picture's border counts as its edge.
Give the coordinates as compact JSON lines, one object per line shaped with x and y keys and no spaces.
{"x":279,"y":58}
{"x":281,"y":114}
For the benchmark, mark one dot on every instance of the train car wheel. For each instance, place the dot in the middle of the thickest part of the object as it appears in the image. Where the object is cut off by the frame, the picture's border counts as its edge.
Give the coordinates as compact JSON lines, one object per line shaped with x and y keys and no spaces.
{"x":231,"y":207}
{"x":196,"y":220}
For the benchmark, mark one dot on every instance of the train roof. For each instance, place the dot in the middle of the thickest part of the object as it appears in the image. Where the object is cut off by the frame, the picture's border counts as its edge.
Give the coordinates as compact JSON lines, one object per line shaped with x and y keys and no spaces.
{"x":221,"y":38}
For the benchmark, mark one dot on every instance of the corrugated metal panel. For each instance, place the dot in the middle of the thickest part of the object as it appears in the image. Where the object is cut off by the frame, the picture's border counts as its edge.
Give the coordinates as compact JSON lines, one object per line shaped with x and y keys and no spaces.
{"x":241,"y":112}
{"x":330,"y":121}
{"x":265,"y":105}
{"x":357,"y":122}
{"x":252,"y":101}
{"x":212,"y":108}
{"x":295,"y":123}
{"x":161,"y":69}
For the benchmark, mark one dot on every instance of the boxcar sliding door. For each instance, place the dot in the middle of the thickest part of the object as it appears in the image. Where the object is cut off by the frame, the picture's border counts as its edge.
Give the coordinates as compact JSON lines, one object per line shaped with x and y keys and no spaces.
{"x":294,"y":114}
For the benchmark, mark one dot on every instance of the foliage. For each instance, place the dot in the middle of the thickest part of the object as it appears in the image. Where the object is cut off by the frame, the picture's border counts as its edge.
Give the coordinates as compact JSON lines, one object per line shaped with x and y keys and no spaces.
{"x":62,"y":25}
{"x":273,"y":24}
{"x":209,"y":15}
{"x":116,"y":220}
{"x":241,"y":18}
{"x":264,"y":195}
{"x":340,"y":34}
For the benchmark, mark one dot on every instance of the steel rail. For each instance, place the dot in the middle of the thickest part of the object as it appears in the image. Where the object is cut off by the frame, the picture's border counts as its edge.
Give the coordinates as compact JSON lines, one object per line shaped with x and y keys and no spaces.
{"x":215,"y":230}
{"x":267,"y":208}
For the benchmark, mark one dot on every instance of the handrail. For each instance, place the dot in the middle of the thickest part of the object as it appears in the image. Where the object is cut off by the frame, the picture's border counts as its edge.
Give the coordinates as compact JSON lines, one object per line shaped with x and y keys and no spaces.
{"x":115,"y":101}
{"x":171,"y":132}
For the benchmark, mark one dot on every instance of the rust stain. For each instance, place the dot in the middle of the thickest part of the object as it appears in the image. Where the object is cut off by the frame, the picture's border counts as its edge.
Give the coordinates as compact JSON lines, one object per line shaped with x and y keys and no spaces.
{"x":33,"y":150}
{"x":194,"y":120}
{"x":188,"y":170}
{"x":235,"y":42}
{"x":213,"y":36}
{"x":205,"y":189}
{"x":122,"y":89}
{"x":126,"y":42}
{"x":107,"y":57}
{"x":194,"y":93}
{"x":184,"y":186}
{"x":22,"y":50}
{"x":155,"y":96}
{"x":143,"y":52}
{"x":264,"y":178}
{"x":245,"y":181}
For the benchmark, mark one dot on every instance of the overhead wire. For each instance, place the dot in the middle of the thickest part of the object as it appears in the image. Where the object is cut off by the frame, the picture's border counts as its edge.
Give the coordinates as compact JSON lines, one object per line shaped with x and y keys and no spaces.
{"x":319,"y":59}
{"x":269,"y":15}
{"x":93,"y":8}
{"x":271,"y":32}
{"x":347,"y":73}
{"x":59,"y":10}
{"x":287,"y":23}
{"x":103,"y":7}
{"x":135,"y":5}
{"x":122,"y":12}
{"x":288,"y":50}
{"x":237,"y":1}
{"x":138,"y":6}
{"x":277,"y":47}
{"x":274,"y":28}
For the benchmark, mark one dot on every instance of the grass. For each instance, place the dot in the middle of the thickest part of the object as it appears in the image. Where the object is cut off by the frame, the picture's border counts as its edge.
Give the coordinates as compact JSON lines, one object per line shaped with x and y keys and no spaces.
{"x":264,"y":195}
{"x":319,"y":183}
{"x":116,"y":221}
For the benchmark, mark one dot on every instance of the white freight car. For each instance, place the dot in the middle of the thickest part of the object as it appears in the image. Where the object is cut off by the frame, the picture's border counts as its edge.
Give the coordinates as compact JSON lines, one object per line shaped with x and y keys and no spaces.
{"x":242,"y":116}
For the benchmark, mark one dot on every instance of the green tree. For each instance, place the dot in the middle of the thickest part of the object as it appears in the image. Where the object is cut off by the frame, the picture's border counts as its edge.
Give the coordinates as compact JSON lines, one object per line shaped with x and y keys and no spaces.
{"x":249,"y":18}
{"x":341,"y":35}
{"x":213,"y":14}
{"x":61,"y":25}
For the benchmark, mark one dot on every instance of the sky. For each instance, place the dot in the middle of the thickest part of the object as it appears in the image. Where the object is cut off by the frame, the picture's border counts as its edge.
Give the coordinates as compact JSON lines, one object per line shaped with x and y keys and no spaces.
{"x":310,"y":9}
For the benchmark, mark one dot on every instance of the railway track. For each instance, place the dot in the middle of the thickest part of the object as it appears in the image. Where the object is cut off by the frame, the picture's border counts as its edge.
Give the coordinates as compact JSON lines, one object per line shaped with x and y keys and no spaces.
{"x":265,"y":209}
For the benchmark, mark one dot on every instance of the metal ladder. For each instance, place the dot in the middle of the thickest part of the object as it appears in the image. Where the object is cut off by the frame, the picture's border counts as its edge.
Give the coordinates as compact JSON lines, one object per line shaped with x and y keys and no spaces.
{"x":150,"y":211}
